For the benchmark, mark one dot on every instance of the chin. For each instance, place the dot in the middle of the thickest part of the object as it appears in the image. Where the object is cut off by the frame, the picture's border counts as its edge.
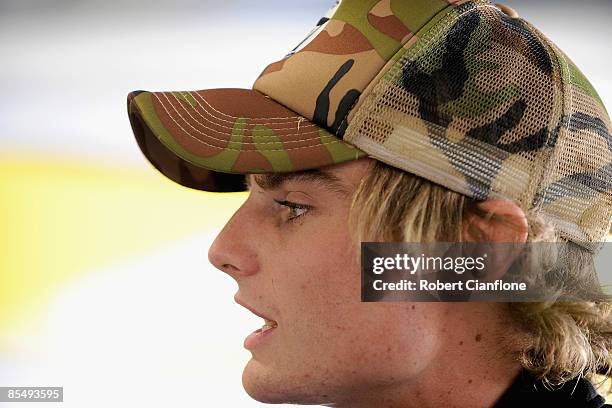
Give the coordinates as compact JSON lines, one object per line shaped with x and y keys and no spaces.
{"x":261,"y":384}
{"x":266,"y":385}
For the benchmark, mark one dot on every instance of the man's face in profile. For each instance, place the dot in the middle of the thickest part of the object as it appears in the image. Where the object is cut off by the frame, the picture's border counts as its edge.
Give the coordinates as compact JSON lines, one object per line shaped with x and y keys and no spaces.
{"x":288,"y":247}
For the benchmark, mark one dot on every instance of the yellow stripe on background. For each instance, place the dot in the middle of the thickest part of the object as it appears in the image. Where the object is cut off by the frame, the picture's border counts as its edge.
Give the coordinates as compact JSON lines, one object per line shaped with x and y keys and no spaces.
{"x":61,"y":218}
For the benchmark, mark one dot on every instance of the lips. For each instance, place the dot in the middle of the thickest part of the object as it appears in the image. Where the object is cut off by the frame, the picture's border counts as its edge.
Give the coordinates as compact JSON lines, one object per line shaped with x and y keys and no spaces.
{"x":261,"y":334}
{"x":253,"y":310}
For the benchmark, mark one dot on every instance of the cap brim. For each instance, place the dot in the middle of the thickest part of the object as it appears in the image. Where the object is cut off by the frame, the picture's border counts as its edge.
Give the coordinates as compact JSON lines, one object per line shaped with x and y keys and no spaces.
{"x":208,"y":140}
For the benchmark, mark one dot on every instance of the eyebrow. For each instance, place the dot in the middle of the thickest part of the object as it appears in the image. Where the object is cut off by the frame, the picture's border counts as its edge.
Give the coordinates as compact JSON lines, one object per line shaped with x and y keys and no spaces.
{"x":272,"y":181}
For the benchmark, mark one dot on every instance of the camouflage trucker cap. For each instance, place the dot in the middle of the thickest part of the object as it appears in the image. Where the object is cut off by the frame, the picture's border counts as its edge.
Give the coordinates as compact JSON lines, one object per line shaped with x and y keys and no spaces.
{"x":462,"y":93}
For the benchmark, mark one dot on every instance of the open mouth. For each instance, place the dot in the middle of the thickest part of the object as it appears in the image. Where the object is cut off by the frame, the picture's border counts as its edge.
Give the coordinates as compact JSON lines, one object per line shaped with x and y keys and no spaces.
{"x":261,"y":334}
{"x":268,"y":325}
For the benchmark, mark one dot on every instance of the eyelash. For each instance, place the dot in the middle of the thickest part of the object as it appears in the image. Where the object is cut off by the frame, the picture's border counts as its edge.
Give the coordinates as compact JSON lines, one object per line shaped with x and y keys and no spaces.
{"x":294,"y":206}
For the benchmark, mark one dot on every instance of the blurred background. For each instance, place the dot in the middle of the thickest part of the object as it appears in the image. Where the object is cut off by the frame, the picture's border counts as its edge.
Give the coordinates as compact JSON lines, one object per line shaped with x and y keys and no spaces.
{"x":104,"y":278}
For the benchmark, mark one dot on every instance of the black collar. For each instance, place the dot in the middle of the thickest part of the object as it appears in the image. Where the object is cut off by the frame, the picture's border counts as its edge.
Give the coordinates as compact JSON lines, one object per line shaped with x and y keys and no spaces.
{"x":527,"y":391}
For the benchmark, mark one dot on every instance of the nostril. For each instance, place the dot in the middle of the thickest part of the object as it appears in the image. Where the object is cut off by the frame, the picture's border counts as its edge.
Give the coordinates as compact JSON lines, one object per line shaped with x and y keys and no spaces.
{"x":229,"y":268}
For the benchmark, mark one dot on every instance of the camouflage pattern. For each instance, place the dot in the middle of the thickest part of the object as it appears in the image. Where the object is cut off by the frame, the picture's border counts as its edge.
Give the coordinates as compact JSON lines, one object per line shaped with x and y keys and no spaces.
{"x":326,"y":77}
{"x":454,"y":91}
{"x":485,"y":105}
{"x":298,"y":107}
{"x":228,"y":130}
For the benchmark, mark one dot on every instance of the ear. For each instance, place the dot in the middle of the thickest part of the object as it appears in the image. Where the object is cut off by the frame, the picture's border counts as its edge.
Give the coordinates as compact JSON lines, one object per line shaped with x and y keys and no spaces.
{"x":500,"y":221}
{"x":508,"y":223}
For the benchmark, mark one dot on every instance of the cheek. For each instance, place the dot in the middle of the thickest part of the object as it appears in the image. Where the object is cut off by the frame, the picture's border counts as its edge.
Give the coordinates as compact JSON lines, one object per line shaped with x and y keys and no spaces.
{"x":316,"y":277}
{"x":362,"y":342}
{"x":323,"y":273}
{"x":318,"y":293}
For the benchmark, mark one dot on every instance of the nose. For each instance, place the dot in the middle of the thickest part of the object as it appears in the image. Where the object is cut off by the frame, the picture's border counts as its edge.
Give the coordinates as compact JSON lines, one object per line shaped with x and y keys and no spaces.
{"x":234,"y":249}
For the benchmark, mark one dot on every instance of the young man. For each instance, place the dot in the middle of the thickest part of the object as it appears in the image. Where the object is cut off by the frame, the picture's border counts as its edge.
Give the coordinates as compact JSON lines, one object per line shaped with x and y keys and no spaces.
{"x":437,"y":121}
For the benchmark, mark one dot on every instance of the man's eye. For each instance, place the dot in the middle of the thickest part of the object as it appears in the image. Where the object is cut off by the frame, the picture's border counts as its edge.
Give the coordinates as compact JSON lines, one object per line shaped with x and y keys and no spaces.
{"x":295,"y":210}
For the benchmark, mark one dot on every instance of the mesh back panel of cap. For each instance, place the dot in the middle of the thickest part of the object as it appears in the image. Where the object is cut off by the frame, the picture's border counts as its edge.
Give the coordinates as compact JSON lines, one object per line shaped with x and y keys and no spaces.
{"x":485,"y":105}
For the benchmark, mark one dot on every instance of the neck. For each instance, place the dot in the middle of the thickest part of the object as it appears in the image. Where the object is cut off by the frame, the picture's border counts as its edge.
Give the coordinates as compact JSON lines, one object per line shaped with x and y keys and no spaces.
{"x":452,"y":388}
{"x":473,"y":372}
